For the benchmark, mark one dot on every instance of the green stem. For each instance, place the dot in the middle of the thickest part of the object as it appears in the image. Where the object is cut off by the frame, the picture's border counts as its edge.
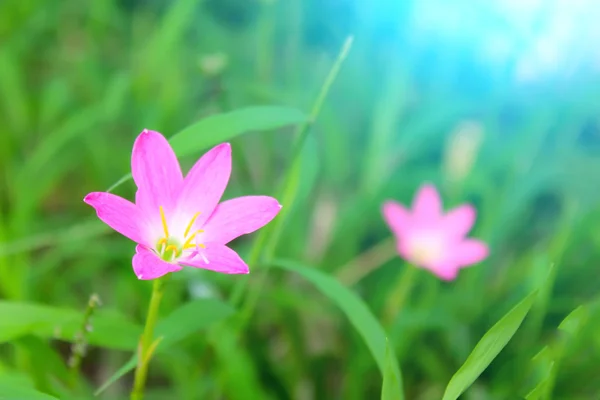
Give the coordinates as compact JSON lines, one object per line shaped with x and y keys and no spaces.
{"x":289,"y":186}
{"x":401,"y":292}
{"x":287,"y":192}
{"x":145,"y":347}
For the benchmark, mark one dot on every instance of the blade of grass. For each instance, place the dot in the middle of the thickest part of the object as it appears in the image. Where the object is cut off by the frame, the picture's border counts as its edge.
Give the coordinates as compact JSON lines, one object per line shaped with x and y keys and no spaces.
{"x":288,"y":188}
{"x":357,"y":312}
{"x":490,"y":345}
{"x":391,"y":389}
{"x":189,"y":318}
{"x":219,"y":128}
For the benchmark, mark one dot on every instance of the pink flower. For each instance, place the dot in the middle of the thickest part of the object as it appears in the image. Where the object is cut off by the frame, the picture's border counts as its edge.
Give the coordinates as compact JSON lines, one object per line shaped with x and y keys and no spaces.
{"x":431,"y":239}
{"x":178,"y":221}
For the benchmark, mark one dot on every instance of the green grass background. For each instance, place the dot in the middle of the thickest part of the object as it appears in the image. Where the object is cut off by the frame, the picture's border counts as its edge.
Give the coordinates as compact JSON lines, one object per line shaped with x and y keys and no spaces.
{"x":79,"y":80}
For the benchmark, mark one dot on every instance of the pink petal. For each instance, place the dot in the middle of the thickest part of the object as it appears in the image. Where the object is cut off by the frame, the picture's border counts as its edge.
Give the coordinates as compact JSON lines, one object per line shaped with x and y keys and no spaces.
{"x":397,"y":217}
{"x":427,"y":206}
{"x":205,"y":183}
{"x":156,"y":172}
{"x":446,"y":272}
{"x":220,"y":259}
{"x":403,"y":248}
{"x":470,"y":251}
{"x":120,"y":214}
{"x":240,"y":216}
{"x":459,"y":221}
{"x":147,"y":265}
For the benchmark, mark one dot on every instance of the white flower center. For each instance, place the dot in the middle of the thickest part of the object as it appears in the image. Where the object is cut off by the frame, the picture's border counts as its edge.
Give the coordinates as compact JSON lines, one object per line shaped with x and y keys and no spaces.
{"x":426,"y":248}
{"x":170,"y":247}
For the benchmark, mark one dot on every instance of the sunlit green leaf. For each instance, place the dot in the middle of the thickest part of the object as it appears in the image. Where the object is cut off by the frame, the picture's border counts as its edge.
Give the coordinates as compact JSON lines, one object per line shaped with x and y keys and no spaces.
{"x":573,"y":322}
{"x":219,"y":128}
{"x":490,"y":345}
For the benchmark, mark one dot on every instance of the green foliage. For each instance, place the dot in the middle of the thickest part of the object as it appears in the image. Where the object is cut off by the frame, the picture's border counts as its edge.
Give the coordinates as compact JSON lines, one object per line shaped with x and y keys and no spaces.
{"x":184,"y":321}
{"x":220,"y":128}
{"x":110,"y":329}
{"x":79,"y":81}
{"x":391,"y":389}
{"x":490,"y":345}
{"x":11,"y":391}
{"x":546,"y":362}
{"x":360,"y":316}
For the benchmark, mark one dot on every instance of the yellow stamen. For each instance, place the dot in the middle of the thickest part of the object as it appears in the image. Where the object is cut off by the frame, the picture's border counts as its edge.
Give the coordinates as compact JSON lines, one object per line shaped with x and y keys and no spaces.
{"x":187,"y":230}
{"x":171,"y":247}
{"x":191,"y":246}
{"x":189,"y":240}
{"x":164,"y":221}
{"x":162,"y":241}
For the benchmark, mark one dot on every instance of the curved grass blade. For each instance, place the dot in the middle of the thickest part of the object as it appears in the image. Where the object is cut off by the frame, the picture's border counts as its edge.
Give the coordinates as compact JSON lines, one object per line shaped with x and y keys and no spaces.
{"x":490,"y":345}
{"x":548,"y":359}
{"x":391,"y":380}
{"x":219,"y":128}
{"x":355,"y":309}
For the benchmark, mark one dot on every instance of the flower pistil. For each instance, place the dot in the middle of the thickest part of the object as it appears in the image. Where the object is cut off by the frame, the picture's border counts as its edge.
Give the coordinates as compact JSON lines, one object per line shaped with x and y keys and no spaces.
{"x":168,"y":247}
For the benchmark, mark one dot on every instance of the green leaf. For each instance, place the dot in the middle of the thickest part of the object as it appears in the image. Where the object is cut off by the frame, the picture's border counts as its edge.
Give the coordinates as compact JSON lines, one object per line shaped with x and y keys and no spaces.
{"x":391,"y":380}
{"x":12,"y":389}
{"x":189,"y":318}
{"x":128,"y":366}
{"x":546,"y":361}
{"x":574,"y":321}
{"x":219,"y":128}
{"x":109,"y":328}
{"x":490,"y":345}
{"x":47,"y":366}
{"x":186,"y":320}
{"x":355,"y":309}
{"x":545,"y":370}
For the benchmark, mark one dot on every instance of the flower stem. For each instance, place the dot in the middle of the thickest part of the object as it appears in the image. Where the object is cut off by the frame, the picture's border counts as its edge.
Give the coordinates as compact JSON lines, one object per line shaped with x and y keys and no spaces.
{"x":368,"y":262}
{"x":145,"y":347}
{"x":401,"y":292}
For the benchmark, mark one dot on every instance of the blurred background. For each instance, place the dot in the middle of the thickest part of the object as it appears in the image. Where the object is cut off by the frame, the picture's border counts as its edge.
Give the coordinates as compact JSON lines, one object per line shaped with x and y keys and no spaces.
{"x":496,"y":102}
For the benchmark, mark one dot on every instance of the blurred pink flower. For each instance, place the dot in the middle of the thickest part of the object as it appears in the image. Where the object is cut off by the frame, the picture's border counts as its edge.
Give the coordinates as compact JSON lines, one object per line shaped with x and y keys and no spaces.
{"x":430,"y":239}
{"x":178,"y":221}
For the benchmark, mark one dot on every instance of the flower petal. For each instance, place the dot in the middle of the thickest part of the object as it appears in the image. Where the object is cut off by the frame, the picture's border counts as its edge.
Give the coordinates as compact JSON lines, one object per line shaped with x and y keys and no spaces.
{"x":459,"y":221}
{"x":148,"y":265}
{"x":156,"y":172}
{"x":445,"y":271}
{"x":397,"y":217}
{"x":205,"y":183}
{"x":470,"y":251}
{"x":120,"y":214}
{"x":218,"y":258}
{"x":239,"y":216}
{"x":427,"y":206}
